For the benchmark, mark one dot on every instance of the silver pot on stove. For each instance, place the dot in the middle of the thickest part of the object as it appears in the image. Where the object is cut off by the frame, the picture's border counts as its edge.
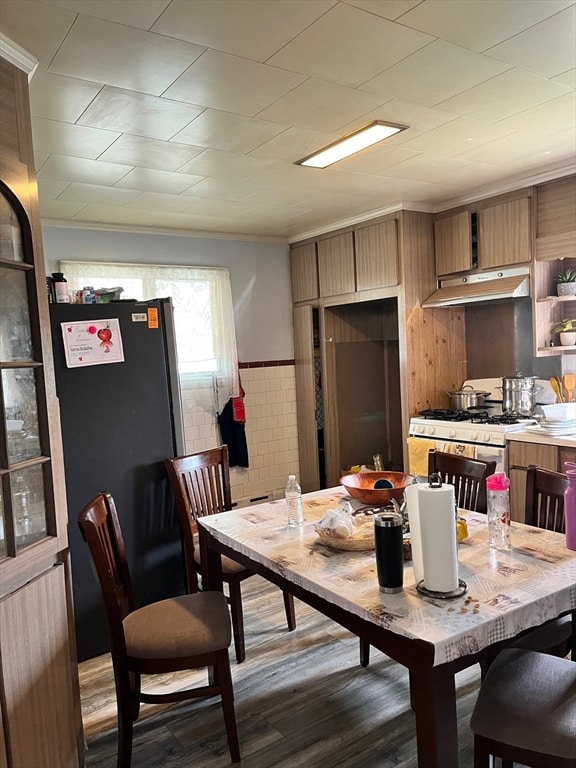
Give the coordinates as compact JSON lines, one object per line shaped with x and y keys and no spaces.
{"x":466,"y":398}
{"x":519,"y":395}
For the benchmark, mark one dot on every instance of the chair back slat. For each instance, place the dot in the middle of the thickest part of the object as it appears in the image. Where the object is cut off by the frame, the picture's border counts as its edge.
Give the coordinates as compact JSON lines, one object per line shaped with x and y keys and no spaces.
{"x":468,"y":476}
{"x":545,"y":499}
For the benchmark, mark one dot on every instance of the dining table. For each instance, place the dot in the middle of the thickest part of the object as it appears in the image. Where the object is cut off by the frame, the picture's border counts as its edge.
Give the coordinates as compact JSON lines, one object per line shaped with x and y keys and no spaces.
{"x":508,"y":592}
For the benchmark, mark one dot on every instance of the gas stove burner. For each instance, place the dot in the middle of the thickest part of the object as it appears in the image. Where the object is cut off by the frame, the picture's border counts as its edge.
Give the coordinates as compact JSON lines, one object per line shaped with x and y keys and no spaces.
{"x":477,"y":414}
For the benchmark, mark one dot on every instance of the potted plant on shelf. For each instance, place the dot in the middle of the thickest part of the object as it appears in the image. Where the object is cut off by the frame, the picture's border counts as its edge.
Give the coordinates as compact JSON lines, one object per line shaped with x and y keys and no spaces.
{"x":567,"y":331}
{"x":566,"y":282}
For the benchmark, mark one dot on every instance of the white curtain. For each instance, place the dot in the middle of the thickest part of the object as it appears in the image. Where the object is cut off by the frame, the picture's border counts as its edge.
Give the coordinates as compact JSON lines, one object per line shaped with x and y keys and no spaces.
{"x":203,"y":318}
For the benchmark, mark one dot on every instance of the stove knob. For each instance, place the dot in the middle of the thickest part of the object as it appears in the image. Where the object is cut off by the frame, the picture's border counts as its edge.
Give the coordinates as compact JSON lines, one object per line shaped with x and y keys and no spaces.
{"x":452,"y":433}
{"x":474,"y":435}
{"x":420,"y":430}
{"x":431,"y":430}
{"x":486,"y":437}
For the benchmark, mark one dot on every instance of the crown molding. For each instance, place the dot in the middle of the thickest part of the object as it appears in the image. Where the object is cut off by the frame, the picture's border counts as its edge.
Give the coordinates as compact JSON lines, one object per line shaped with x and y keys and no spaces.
{"x":163,"y":231}
{"x":16,"y":55}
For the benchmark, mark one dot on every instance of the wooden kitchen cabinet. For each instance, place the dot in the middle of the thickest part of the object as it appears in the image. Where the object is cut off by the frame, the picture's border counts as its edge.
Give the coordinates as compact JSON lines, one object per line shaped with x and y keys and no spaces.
{"x":376,"y":249}
{"x":486,"y":235}
{"x":304,"y":272}
{"x":555,"y":252}
{"x":39,"y":692}
{"x":336,"y":269}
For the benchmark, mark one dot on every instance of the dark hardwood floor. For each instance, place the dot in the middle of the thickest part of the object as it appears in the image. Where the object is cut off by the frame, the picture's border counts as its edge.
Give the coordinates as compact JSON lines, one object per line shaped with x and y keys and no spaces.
{"x":302,"y":701}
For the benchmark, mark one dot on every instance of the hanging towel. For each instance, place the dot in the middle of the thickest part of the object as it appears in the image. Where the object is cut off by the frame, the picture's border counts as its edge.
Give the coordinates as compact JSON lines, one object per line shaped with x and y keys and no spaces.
{"x":234,"y":436}
{"x":418,"y":449}
{"x":238,"y":409}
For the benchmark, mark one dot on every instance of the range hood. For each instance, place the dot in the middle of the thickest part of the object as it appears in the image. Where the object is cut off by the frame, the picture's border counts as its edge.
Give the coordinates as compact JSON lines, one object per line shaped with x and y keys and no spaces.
{"x":481,"y":287}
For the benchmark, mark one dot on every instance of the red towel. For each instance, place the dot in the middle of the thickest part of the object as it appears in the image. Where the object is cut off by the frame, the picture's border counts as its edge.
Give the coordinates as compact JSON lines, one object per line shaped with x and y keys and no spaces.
{"x":238,"y":409}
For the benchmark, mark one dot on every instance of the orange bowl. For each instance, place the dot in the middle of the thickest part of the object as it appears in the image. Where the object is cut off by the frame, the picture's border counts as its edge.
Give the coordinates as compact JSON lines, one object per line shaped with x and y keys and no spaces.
{"x":360,"y":485}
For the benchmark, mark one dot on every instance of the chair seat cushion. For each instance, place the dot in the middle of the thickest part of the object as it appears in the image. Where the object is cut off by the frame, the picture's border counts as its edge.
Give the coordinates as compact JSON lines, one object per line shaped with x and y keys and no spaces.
{"x":548,"y":636}
{"x":528,"y":700}
{"x":228,"y":565}
{"x":180,"y":626}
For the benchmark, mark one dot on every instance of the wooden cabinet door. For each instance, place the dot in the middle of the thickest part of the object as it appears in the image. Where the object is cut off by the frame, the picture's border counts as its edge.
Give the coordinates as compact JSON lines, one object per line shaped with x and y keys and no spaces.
{"x":520,"y":456}
{"x":336,"y":272}
{"x":504,"y":235}
{"x":36,"y":675}
{"x":453,"y":243}
{"x":376,"y":256}
{"x":565,"y":454}
{"x":304,"y":272}
{"x":306,"y":399}
{"x":556,"y":218}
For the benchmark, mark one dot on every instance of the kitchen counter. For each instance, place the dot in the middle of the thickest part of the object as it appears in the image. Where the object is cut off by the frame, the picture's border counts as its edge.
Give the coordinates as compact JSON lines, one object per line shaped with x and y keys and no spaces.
{"x":565,"y":441}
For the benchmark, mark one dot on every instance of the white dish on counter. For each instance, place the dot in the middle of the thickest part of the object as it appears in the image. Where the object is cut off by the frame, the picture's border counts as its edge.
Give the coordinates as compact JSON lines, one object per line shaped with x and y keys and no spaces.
{"x":559,"y":428}
{"x":560,"y":412}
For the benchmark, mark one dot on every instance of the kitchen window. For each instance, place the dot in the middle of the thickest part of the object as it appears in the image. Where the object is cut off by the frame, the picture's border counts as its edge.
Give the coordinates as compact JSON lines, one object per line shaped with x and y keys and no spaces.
{"x":203,"y":317}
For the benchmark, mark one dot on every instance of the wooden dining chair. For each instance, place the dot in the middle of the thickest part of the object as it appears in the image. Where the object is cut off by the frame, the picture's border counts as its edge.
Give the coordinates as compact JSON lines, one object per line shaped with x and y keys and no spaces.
{"x":468,"y":476}
{"x":525,"y":712}
{"x":201,"y":485}
{"x":179,"y":633}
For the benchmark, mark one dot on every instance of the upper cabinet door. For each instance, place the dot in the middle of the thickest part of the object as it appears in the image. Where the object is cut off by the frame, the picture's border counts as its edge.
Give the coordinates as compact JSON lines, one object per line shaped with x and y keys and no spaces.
{"x":336,"y":265}
{"x":304,"y":272}
{"x":504,"y":235}
{"x":453,"y":243}
{"x":376,"y":256}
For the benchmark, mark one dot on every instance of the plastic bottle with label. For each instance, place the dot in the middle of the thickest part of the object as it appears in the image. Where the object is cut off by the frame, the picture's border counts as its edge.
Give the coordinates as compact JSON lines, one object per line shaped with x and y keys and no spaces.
{"x":570,"y":507}
{"x":498,"y":492}
{"x":293,"y":496}
{"x":60,"y":286}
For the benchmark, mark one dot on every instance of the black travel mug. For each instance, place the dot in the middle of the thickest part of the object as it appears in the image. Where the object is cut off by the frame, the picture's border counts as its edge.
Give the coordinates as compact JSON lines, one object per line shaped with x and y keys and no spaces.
{"x":389,"y":555}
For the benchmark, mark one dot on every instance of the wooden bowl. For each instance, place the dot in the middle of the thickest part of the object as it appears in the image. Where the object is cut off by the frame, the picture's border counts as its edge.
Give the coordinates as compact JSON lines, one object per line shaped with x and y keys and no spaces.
{"x":360,"y":485}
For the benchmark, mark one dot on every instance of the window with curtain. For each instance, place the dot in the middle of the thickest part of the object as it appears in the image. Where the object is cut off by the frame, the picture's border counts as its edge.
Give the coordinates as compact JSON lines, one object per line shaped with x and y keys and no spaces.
{"x":203,"y":318}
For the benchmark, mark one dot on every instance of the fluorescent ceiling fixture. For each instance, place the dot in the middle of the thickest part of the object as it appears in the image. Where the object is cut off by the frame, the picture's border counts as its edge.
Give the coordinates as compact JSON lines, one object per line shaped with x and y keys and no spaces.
{"x":349,"y":145}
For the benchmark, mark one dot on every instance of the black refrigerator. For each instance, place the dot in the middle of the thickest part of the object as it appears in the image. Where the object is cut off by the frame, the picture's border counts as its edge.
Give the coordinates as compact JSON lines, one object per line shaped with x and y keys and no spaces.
{"x":120,"y":407}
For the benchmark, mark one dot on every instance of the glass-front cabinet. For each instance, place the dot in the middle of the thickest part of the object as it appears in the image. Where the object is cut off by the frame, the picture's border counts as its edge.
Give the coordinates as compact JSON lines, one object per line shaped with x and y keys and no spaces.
{"x":25,"y":509}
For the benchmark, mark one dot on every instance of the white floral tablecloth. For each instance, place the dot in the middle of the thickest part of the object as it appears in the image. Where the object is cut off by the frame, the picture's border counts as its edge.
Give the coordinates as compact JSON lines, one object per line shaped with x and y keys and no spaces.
{"x":508,"y":592}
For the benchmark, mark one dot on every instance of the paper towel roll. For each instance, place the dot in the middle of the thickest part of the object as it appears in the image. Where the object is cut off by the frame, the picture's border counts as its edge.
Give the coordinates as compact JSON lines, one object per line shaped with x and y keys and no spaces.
{"x":412,"y":507}
{"x":437,"y":524}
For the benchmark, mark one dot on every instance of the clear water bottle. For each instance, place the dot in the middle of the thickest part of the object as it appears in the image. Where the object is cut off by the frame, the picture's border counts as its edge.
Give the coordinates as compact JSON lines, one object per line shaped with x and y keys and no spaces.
{"x":498,"y":491}
{"x":293,"y":496}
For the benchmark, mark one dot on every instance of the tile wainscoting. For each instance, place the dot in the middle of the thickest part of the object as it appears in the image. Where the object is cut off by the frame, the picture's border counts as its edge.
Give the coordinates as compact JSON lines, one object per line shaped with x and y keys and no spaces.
{"x":271,"y":431}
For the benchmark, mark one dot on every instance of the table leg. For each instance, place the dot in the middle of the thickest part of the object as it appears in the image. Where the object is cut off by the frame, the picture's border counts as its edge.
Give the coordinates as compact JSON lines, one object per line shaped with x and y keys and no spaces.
{"x":211,"y":563}
{"x":433,"y":694}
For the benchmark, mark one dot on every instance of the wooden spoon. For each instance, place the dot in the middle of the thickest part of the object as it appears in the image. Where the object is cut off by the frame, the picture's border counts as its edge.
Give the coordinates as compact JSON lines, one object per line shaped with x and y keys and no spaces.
{"x":569,"y":381}
{"x":556,"y":386}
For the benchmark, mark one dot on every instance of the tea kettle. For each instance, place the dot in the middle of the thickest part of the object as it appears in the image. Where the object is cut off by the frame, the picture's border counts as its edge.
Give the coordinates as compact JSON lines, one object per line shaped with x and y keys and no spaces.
{"x":519,"y":395}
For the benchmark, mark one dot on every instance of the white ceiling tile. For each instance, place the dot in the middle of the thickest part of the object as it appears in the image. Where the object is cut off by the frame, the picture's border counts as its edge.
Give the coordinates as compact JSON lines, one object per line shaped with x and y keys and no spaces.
{"x":321,"y":106}
{"x":218,"y":189}
{"x":560,"y":154}
{"x":40,"y":158}
{"x":503,"y":96}
{"x":456,"y":137}
{"x":57,"y":209}
{"x":208,"y":207}
{"x":418,"y":119}
{"x":49,"y":189}
{"x":425,"y":167}
{"x":156,"y":201}
{"x":294,"y":144}
{"x":505,"y":150}
{"x":38,"y":28}
{"x":79,"y":169}
{"x":114,"y":215}
{"x":105,"y":52}
{"x":228,"y":132}
{"x":567,"y":78}
{"x":232,"y":84}
{"x":435,"y":73}
{"x":224,"y":165}
{"x":95,"y":193}
{"x":152,"y":180}
{"x":329,"y":50}
{"x":254,"y":29}
{"x":129,"y":112}
{"x":167,"y":219}
{"x":278,"y":196}
{"x":60,"y":98}
{"x":376,"y":159}
{"x":544,"y":119}
{"x":479,"y":24}
{"x":135,"y":13}
{"x":67,"y":138}
{"x":150,"y":153}
{"x":547,"y":48}
{"x":389,"y":9}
